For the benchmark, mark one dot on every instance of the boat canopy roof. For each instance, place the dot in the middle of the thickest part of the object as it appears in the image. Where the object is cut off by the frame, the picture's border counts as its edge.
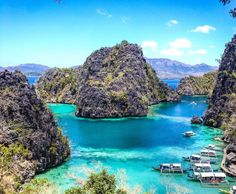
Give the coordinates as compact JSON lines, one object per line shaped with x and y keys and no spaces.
{"x":189,"y":132}
{"x":176,"y":165}
{"x":196,"y":156}
{"x":202,"y":165}
{"x":207,"y":174}
{"x":165,"y":164}
{"x":220,"y":175}
{"x":208,"y":151}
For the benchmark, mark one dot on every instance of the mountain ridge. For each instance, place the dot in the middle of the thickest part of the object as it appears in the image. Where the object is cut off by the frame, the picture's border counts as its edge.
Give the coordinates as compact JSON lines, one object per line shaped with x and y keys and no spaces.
{"x":172,"y":69}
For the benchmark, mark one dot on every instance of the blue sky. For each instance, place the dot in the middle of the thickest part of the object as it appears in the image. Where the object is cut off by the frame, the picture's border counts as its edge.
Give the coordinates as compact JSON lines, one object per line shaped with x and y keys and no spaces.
{"x":64,"y":34}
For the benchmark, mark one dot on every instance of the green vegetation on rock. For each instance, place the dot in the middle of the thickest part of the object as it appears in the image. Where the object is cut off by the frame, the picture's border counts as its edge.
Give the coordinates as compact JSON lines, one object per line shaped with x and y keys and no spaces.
{"x":58,"y":85}
{"x":201,"y":85}
{"x":98,"y":183}
{"x":30,"y":140}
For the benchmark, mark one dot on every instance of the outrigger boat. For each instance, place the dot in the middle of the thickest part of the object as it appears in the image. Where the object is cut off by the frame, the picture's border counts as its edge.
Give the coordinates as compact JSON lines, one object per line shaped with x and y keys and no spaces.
{"x":207,"y":152}
{"x":209,"y":178}
{"x":189,"y":133}
{"x":199,"y":167}
{"x":213,"y":147}
{"x":170,"y":168}
{"x":195,"y":158}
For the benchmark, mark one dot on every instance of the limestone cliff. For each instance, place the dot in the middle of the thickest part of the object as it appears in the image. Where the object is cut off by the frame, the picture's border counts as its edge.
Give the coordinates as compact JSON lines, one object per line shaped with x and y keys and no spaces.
{"x":30,"y":140}
{"x":197,"y":85}
{"x":118,"y":82}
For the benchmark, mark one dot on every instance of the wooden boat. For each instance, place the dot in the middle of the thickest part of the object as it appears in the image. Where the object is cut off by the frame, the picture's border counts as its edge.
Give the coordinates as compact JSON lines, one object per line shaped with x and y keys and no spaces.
{"x":207,"y":152}
{"x":189,"y":133}
{"x":202,"y":167}
{"x":213,"y":147}
{"x":195,"y":158}
{"x":170,"y":168}
{"x":209,"y":178}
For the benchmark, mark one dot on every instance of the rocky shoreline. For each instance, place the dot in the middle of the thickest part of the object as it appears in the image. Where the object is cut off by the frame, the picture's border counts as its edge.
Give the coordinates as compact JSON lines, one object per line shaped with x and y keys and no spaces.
{"x":113,"y":82}
{"x":31,"y":142}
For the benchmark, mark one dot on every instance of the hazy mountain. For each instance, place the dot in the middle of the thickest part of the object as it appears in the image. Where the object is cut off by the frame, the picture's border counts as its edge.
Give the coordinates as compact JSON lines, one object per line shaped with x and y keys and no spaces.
{"x":29,"y":69}
{"x":170,"y":69}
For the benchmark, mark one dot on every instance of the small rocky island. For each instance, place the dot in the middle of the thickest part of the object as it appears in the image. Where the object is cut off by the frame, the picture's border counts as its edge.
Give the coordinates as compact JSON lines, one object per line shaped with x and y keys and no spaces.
{"x":113,"y":82}
{"x":221,"y":111}
{"x":59,"y":85}
{"x":197,"y":85}
{"x":118,"y":82}
{"x":30,"y":140}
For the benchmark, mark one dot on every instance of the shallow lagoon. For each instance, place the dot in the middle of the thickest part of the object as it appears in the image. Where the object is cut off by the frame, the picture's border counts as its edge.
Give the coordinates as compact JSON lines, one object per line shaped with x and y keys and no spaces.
{"x":131,"y":146}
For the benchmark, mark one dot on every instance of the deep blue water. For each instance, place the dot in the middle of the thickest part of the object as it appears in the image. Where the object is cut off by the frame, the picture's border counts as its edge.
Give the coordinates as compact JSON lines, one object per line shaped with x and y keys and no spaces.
{"x":129,"y":147}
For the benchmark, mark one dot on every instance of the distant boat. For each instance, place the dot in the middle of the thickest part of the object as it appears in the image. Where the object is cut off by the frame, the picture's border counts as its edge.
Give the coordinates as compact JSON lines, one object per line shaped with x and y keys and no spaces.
{"x":207,"y":152}
{"x":193,"y":102}
{"x":170,"y":168}
{"x":189,"y":133}
{"x":194,"y":158}
{"x":211,"y":178}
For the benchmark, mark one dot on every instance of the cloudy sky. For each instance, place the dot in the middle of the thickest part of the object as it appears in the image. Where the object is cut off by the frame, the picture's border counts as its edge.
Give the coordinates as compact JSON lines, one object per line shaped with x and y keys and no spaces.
{"x":64,"y":34}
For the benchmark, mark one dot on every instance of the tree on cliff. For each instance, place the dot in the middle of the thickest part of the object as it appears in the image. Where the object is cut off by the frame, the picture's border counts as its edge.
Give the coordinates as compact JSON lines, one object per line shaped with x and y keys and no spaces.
{"x":232,"y":11}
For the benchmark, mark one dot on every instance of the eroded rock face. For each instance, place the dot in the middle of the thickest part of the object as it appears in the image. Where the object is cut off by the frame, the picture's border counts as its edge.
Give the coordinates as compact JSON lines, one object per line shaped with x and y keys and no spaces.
{"x":201,"y":85}
{"x":196,"y":120}
{"x":221,"y":111}
{"x":58,"y":85}
{"x":118,"y":82}
{"x":30,"y":140}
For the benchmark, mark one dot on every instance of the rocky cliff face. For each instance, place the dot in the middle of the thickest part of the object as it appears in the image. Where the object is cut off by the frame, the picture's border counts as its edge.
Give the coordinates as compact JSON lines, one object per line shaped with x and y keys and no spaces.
{"x":118,"y":82}
{"x":221,"y":111}
{"x":197,"y":85}
{"x":30,"y":140}
{"x":58,"y":85}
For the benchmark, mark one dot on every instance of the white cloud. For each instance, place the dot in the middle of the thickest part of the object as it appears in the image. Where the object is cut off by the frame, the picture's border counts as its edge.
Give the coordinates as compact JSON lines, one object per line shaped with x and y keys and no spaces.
{"x":104,"y":12}
{"x":181,"y":43}
{"x":149,"y":44}
{"x":198,"y":52}
{"x":124,"y":19}
{"x":204,"y":29}
{"x":172,"y":23}
{"x":172,"y":52}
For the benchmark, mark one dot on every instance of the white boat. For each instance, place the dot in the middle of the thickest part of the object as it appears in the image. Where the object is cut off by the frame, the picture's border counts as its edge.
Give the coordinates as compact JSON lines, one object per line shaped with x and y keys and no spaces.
{"x":212,"y":178}
{"x":189,"y":133}
{"x":202,"y":167}
{"x":170,"y":168}
{"x":207,"y":152}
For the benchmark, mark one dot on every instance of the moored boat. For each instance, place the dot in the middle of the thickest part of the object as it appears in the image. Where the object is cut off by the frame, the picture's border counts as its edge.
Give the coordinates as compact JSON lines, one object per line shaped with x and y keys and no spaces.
{"x":207,"y":152}
{"x":170,"y":168}
{"x":189,"y":133}
{"x":195,"y":158}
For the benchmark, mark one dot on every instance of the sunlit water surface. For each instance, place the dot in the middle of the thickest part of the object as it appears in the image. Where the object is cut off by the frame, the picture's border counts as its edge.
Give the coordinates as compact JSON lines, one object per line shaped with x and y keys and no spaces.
{"x":131,"y":146}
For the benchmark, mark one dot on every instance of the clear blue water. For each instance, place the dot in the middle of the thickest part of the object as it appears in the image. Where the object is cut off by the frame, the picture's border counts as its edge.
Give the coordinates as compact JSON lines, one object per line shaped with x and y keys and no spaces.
{"x":129,"y":147}
{"x":173,"y":83}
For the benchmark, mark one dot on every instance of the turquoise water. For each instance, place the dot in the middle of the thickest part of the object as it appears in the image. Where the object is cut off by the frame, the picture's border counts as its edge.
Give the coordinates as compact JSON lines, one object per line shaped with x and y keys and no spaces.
{"x":129,"y":147}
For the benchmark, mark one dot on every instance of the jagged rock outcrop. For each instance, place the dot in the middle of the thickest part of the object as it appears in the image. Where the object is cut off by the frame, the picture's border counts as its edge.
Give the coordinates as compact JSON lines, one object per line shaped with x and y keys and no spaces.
{"x":58,"y":85}
{"x":221,"y":111}
{"x":30,"y":140}
{"x":201,"y":85}
{"x":196,"y":120}
{"x":118,"y":82}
